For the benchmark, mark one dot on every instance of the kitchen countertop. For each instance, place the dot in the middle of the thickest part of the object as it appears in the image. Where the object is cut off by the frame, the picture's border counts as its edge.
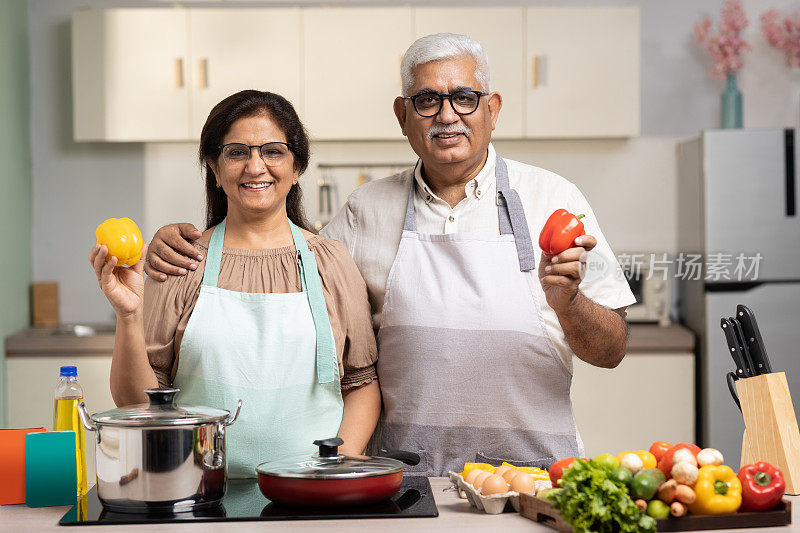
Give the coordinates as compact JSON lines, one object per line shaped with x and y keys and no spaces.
{"x":84,"y":339}
{"x":644,"y":338}
{"x":650,"y":338}
{"x":455,"y":515}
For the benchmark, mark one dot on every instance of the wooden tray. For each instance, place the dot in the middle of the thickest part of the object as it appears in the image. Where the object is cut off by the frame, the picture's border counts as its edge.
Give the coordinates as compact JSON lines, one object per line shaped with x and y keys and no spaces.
{"x":540,"y":510}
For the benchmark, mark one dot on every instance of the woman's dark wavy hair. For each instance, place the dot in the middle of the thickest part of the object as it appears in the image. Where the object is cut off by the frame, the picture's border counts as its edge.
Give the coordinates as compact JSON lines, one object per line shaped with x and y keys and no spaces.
{"x":246,"y":104}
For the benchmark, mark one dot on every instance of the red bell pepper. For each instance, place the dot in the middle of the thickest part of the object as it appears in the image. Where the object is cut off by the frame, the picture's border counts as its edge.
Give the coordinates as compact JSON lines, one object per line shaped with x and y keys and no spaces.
{"x":560,"y":232}
{"x":762,"y":487}
{"x":665,"y":463}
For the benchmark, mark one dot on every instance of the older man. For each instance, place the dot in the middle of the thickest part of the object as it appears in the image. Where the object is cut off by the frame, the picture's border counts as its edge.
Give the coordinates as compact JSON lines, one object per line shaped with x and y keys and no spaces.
{"x":475,"y":339}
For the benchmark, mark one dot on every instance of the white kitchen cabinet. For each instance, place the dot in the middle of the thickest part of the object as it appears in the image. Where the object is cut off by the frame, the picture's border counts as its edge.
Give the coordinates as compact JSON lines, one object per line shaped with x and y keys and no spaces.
{"x":31,"y":383}
{"x":236,"y":49}
{"x":648,"y":397}
{"x":503,"y":41}
{"x":154,"y":74}
{"x":150,"y":75}
{"x":582,"y":72}
{"x":129,"y":79}
{"x":352,"y":70}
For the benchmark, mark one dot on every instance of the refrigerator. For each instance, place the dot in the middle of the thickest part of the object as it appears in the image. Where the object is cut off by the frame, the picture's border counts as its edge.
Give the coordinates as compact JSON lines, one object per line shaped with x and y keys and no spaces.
{"x":737,"y":208}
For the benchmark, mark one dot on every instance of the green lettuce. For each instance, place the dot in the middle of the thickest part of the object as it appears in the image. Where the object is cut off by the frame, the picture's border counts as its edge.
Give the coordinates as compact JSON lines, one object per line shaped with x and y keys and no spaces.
{"x":591,"y":502}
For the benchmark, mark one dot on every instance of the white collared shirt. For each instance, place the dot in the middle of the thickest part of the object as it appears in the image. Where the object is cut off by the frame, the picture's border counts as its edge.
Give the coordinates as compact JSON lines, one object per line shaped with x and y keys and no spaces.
{"x":371,"y":223}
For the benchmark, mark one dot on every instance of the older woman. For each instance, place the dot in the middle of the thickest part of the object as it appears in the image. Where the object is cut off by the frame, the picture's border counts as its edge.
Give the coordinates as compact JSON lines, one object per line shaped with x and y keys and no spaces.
{"x":274,"y":315}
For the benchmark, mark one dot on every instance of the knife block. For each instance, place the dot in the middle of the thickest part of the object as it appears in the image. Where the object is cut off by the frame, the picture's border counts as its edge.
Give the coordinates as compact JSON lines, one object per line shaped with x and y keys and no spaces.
{"x":771,"y":433}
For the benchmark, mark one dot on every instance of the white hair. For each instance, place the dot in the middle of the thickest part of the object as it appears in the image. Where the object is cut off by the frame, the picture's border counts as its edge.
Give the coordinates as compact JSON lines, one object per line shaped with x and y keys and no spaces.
{"x":441,"y":46}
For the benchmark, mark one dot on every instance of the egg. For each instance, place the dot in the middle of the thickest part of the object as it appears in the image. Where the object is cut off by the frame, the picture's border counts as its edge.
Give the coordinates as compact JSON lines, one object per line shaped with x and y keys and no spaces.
{"x":494,"y":484}
{"x":471,"y":475}
{"x":523,"y":482}
{"x":501,"y":470}
{"x":480,"y":478}
{"x":509,"y":474}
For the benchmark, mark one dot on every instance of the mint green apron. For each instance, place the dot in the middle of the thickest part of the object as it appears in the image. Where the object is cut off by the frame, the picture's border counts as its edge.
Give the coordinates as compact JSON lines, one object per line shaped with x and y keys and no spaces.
{"x":274,"y":351}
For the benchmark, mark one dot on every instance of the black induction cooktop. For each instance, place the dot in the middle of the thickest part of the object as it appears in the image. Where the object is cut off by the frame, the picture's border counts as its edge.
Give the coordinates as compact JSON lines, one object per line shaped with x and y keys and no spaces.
{"x":243,"y":501}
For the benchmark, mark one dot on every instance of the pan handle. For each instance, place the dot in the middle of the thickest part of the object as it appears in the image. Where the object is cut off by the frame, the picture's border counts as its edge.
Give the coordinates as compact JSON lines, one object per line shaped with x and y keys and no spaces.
{"x":409,"y":458}
{"x":235,"y":415}
{"x":86,"y":418}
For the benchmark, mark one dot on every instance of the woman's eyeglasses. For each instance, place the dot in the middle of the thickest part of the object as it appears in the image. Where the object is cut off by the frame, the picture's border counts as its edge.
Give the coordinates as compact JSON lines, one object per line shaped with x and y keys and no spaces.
{"x":272,"y":153}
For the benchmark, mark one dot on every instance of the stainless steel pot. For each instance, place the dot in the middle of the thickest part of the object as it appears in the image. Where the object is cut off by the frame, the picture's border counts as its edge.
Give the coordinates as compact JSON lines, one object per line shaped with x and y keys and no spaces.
{"x":160,"y":456}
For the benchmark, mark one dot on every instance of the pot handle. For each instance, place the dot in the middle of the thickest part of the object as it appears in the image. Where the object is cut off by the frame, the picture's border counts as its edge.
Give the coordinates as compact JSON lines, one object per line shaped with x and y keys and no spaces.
{"x":409,"y":458}
{"x":235,"y":415}
{"x":85,"y":417}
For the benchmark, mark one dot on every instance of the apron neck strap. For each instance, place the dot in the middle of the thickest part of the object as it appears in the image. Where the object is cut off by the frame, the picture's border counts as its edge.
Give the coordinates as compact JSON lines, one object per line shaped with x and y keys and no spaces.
{"x":214,"y":255}
{"x":312,"y":286}
{"x":410,"y":222}
{"x":301,"y":246}
{"x":512,"y":217}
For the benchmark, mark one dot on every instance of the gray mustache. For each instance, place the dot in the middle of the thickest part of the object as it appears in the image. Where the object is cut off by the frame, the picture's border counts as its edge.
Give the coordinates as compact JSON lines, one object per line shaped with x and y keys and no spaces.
{"x":436,"y":129}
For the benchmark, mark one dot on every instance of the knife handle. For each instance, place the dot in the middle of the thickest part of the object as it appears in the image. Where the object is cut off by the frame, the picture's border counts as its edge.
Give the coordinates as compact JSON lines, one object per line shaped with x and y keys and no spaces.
{"x":733,"y":348}
{"x":749,"y":367}
{"x":753,"y":339}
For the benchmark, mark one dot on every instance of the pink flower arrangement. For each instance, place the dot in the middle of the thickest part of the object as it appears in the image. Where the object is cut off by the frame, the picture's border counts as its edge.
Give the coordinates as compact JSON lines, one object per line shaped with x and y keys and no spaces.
{"x":726,"y":45}
{"x":783,"y":35}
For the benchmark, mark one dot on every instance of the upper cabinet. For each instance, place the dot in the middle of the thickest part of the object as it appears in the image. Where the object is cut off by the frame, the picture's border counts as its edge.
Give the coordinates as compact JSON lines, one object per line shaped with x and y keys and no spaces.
{"x":504,"y":43}
{"x":582,"y":69}
{"x":352,"y":71}
{"x":236,"y":49}
{"x":154,"y":74}
{"x":129,"y":78}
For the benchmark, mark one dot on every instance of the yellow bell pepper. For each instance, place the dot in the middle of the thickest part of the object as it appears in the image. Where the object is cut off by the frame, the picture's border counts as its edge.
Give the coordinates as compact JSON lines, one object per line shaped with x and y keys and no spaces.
{"x":537,"y":473}
{"x":123,"y":240}
{"x":718,"y":491}
{"x":469,"y":467}
{"x":647,"y":458}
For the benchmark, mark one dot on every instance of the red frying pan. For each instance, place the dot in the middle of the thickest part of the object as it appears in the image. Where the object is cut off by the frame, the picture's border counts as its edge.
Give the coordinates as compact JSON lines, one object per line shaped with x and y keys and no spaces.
{"x":328,"y":479}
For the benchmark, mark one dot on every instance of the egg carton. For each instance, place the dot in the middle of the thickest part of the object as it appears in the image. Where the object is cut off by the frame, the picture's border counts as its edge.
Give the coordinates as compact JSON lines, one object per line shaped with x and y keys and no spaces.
{"x":493,"y":503}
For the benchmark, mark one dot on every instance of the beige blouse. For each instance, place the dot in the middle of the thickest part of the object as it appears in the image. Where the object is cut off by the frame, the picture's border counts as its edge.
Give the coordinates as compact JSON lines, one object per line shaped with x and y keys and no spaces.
{"x":169,"y":304}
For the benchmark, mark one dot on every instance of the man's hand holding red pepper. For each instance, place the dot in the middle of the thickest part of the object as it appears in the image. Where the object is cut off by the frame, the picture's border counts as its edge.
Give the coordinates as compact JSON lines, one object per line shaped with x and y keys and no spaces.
{"x":561,"y":274}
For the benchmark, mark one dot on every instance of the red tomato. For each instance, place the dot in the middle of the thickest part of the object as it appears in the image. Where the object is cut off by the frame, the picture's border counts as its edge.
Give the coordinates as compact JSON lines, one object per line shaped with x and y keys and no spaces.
{"x":665,"y":464}
{"x":659,"y":448}
{"x":557,"y":469}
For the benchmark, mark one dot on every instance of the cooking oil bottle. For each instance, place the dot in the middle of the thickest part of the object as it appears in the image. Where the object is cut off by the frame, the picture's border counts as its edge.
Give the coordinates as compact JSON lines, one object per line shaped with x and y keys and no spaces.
{"x":65,"y":418}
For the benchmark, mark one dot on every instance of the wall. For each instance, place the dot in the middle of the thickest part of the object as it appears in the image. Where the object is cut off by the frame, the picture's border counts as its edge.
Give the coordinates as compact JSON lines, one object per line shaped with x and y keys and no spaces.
{"x":78,"y":185}
{"x":75,"y":185}
{"x":15,"y":175}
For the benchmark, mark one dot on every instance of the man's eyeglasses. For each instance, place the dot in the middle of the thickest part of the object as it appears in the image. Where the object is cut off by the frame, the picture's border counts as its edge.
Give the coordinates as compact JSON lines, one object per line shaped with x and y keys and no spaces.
{"x":428,"y":104}
{"x":272,"y":153}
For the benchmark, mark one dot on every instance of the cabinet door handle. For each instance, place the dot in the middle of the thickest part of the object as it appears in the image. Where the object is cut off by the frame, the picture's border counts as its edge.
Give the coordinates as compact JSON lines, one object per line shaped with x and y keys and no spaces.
{"x":539,"y":71}
{"x":179,"y":72}
{"x":204,"y":73}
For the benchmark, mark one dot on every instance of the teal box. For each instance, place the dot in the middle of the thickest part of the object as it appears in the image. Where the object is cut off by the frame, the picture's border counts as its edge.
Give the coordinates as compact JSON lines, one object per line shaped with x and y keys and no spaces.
{"x":50,"y":471}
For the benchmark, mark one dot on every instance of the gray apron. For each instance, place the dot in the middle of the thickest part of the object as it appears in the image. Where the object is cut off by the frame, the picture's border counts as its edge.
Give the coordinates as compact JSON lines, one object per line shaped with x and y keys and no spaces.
{"x":467,"y":370}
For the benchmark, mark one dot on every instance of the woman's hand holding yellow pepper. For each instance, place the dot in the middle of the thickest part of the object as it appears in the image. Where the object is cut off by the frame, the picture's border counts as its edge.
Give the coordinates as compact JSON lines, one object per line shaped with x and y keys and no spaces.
{"x":123,"y":287}
{"x":718,"y":491}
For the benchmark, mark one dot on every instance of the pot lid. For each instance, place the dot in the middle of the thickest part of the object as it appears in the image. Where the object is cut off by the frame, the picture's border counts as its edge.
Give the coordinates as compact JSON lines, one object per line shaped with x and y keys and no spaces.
{"x":161,"y":411}
{"x":328,"y":463}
